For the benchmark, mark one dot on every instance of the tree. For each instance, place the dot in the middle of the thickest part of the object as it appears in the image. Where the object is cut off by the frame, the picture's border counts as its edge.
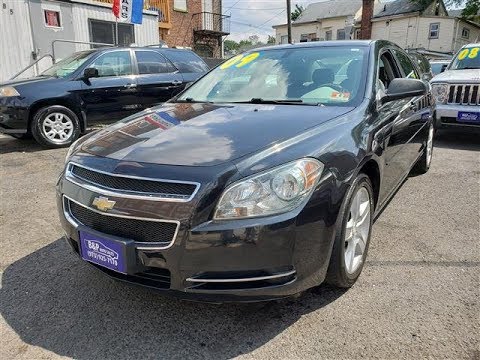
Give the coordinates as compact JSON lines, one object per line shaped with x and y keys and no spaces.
{"x":231,"y":45}
{"x":271,"y":39}
{"x":472,"y":8}
{"x":254,"y":39}
{"x":299,"y":9}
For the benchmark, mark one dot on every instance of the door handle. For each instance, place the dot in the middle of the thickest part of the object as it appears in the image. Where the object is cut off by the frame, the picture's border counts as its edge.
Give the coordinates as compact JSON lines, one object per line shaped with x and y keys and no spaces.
{"x":130,"y":86}
{"x":176,"y":82}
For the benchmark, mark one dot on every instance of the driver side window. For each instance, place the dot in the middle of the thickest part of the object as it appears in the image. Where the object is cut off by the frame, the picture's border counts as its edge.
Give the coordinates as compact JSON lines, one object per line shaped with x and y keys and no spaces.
{"x":387,"y":71}
{"x":115,"y":63}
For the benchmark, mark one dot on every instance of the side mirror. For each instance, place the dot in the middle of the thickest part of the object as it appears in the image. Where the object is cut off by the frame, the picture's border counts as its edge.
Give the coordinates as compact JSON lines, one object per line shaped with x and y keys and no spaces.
{"x":404,"y":88}
{"x":90,"y":73}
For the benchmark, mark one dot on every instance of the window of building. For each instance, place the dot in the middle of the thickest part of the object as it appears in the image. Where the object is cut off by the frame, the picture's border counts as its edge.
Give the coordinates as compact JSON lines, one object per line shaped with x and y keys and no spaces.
{"x":341,"y":34}
{"x":104,"y":32}
{"x":308,"y":37}
{"x":151,"y":62}
{"x":114,"y":63}
{"x":358,"y":34}
{"x":328,"y":35}
{"x":52,"y":18}
{"x":434,"y":31}
{"x":465,"y":33}
{"x":284,"y":39}
{"x":180,"y":5}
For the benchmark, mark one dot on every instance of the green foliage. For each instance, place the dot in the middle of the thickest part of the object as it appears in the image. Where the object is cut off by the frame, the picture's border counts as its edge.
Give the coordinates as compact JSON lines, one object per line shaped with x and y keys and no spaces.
{"x":271,"y":39}
{"x":231,"y":45}
{"x":472,"y":8}
{"x":297,"y":12}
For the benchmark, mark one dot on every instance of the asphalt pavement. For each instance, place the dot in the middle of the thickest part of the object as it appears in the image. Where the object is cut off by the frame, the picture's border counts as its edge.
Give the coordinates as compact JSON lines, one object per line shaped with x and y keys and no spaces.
{"x":418,"y":295}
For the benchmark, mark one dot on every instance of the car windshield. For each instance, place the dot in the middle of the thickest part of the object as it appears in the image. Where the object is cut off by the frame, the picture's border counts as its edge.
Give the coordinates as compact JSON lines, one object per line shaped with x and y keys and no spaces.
{"x":328,"y":75}
{"x":467,"y":58}
{"x":68,"y":65}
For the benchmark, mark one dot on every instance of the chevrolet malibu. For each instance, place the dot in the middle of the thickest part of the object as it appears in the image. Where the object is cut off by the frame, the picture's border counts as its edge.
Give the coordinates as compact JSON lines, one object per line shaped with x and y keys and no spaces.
{"x":259,"y":181}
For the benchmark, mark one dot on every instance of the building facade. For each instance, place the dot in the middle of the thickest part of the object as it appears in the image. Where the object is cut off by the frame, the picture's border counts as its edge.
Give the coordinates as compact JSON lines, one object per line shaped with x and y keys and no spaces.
{"x":424,"y":26}
{"x":428,"y":28}
{"x":195,"y":24}
{"x":32,"y":29}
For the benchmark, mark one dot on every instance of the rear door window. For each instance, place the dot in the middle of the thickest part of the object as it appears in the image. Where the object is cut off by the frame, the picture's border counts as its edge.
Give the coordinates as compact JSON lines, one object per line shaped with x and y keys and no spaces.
{"x":186,"y":61}
{"x":151,"y":62}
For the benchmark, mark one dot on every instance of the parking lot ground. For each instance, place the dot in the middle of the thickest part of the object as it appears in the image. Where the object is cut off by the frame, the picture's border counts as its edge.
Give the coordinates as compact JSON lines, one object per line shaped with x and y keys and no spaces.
{"x":418,"y":296}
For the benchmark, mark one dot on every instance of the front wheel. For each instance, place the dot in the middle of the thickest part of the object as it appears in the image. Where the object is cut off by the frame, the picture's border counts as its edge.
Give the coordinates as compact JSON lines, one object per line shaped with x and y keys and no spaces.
{"x":55,"y":126}
{"x":352,"y":234}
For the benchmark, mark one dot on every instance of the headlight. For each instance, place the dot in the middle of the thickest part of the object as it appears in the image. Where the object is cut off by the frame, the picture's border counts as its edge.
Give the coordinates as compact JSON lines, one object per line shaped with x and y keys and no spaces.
{"x":440,"y":92}
{"x":8,"y":91}
{"x":271,"y":192}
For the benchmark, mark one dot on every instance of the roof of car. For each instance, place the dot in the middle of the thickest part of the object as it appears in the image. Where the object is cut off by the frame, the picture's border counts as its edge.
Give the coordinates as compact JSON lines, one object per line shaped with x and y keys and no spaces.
{"x":109,"y":48}
{"x":319,"y":44}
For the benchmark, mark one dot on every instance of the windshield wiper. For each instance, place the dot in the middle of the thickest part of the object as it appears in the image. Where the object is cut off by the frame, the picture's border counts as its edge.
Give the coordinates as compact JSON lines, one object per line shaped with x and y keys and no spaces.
{"x":468,"y":68}
{"x":276,"y":101}
{"x":192,"y":100}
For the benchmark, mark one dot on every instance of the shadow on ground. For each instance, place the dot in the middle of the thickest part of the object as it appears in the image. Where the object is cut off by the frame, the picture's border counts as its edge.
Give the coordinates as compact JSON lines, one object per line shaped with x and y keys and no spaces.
{"x":53,"y":300}
{"x":461,"y":139}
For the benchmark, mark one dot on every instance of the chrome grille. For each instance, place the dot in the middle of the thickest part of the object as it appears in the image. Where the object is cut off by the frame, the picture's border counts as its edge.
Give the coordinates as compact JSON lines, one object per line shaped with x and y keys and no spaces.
{"x":130,"y":186}
{"x":144,"y":231}
{"x":464,"y":94}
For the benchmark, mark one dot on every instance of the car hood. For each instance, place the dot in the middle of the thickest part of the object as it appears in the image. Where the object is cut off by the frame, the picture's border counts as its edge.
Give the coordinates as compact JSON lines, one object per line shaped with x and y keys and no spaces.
{"x":198,"y":134}
{"x":458,"y":76}
{"x":35,"y":80}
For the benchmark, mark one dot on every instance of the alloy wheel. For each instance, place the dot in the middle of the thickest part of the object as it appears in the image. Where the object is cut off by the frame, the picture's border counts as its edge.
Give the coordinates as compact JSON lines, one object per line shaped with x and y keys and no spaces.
{"x":57,"y":127}
{"x":357,"y":230}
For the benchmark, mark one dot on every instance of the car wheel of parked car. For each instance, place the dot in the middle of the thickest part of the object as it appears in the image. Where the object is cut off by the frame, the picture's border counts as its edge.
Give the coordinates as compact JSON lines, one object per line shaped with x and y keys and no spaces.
{"x":353,"y":234}
{"x":55,"y":126}
{"x":423,"y":164}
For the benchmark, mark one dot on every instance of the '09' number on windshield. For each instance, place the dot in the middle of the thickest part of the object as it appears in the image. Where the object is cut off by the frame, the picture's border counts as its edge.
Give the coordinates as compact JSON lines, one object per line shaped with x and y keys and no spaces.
{"x":240,"y":60}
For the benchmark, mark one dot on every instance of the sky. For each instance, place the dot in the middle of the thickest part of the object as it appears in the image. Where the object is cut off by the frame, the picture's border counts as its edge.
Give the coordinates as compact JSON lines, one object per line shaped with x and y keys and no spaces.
{"x":251,"y":17}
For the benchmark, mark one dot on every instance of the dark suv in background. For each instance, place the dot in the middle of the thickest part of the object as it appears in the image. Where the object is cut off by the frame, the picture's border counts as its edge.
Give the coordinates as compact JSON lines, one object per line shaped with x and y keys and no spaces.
{"x":88,"y":86}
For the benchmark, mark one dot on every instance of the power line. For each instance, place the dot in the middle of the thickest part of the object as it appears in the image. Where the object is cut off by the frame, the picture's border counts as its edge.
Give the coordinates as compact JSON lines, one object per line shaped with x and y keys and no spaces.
{"x":257,"y":8}
{"x":235,"y":3}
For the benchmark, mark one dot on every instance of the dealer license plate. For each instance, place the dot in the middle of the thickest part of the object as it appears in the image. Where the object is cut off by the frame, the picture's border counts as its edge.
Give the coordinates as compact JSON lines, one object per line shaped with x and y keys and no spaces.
{"x":472,"y":117}
{"x":104,"y":252}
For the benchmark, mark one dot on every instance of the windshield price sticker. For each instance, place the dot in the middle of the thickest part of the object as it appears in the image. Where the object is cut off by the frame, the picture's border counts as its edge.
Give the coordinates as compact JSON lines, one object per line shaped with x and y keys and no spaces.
{"x":472,"y":53}
{"x":240,"y":60}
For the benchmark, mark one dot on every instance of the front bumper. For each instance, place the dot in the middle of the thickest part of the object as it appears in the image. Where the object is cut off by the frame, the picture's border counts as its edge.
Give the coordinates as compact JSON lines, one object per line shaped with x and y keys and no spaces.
{"x":13,"y":116}
{"x":447,"y":115}
{"x":239,"y":261}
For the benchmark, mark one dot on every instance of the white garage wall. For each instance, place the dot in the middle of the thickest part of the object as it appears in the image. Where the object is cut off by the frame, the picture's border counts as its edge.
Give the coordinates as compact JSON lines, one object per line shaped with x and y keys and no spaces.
{"x":15,"y":34}
{"x":145,"y":34}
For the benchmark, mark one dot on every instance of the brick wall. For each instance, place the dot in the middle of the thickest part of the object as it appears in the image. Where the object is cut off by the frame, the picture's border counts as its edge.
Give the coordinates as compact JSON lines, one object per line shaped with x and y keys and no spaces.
{"x":181,"y":33}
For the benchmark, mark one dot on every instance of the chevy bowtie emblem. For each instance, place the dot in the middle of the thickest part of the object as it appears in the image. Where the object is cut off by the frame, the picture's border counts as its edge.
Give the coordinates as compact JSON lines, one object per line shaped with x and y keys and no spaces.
{"x":103,"y":204}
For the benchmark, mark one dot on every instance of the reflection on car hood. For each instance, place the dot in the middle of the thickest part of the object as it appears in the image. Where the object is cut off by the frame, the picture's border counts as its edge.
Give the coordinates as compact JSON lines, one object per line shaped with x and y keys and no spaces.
{"x":21,"y":82}
{"x":198,"y":134}
{"x":458,"y":76}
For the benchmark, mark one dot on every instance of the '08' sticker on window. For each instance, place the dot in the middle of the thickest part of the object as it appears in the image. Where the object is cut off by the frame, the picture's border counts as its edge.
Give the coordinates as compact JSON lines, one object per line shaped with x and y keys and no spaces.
{"x":471,"y":53}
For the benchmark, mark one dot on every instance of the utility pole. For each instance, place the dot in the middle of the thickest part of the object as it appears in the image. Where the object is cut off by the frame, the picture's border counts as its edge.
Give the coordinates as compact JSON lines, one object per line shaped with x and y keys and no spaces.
{"x":289,"y":21}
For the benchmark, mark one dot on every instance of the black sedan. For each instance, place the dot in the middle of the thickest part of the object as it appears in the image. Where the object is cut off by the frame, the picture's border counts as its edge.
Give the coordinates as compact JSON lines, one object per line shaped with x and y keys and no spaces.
{"x":95,"y":85}
{"x":259,"y":181}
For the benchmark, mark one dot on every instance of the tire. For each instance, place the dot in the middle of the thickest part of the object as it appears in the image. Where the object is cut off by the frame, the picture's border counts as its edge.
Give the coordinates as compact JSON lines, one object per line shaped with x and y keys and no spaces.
{"x":423,"y":163}
{"x":347,"y":259}
{"x":55,"y":126}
